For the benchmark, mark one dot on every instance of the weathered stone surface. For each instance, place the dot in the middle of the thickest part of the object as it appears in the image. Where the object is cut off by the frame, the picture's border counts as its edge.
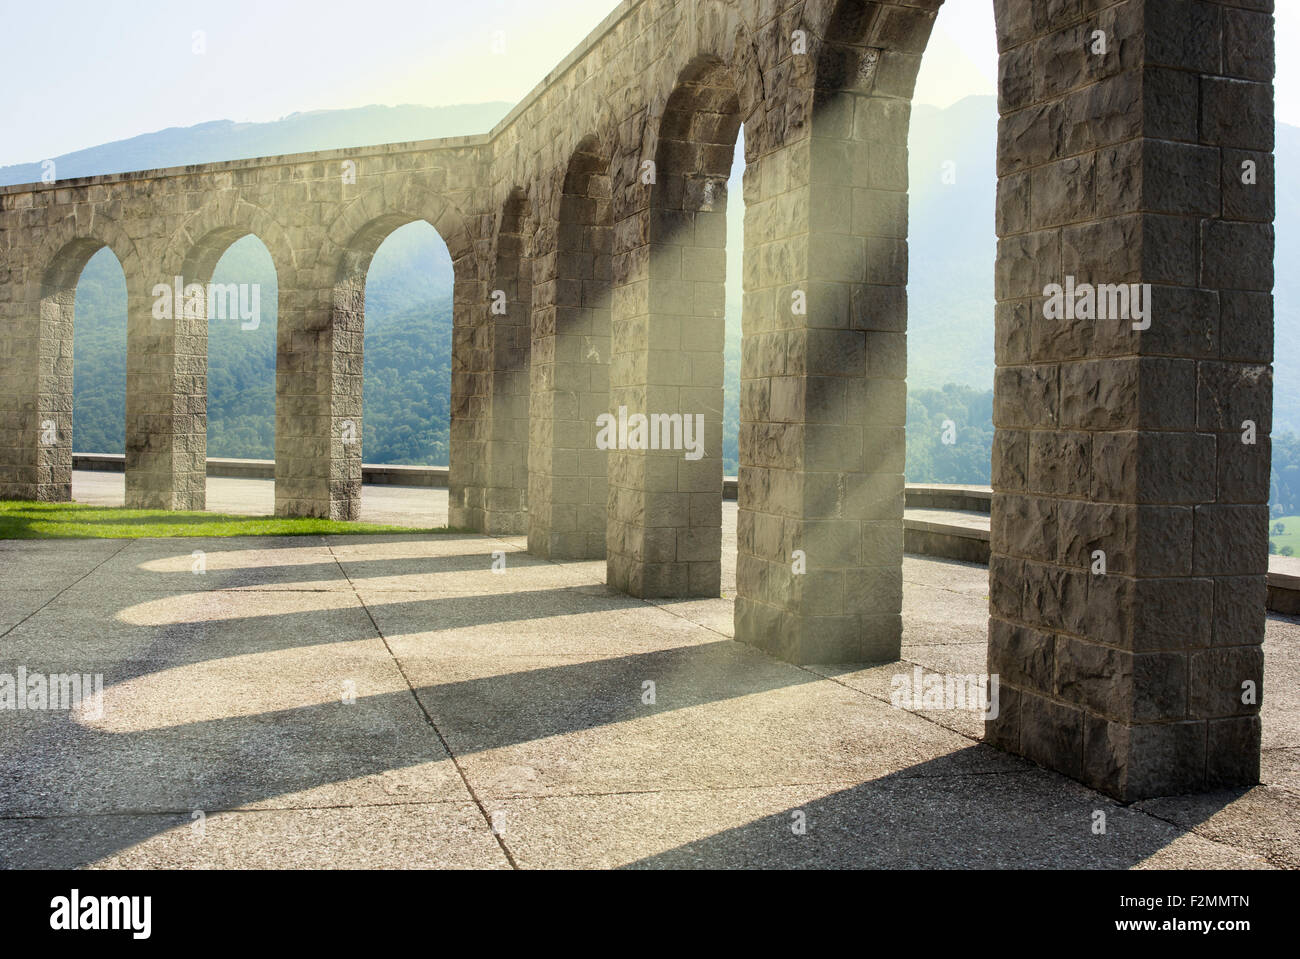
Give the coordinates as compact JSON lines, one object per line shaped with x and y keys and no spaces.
{"x":588,"y":235}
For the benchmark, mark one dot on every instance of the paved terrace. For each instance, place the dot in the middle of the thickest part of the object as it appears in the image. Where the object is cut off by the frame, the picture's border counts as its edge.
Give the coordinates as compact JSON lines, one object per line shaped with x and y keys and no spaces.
{"x":499,"y":720}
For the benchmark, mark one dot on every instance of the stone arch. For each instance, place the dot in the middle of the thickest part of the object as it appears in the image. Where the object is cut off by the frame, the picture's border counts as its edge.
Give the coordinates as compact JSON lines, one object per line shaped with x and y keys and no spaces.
{"x":1083,"y":659}
{"x":714,"y":37}
{"x":47,"y":427}
{"x":571,"y":332}
{"x":509,"y":321}
{"x":665,"y":534}
{"x":192,"y":254}
{"x":198,"y":245}
{"x":356,"y":232}
{"x":329,"y":339}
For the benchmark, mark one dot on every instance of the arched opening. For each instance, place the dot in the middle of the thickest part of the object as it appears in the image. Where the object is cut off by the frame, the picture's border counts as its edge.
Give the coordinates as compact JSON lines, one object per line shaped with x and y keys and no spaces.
{"x":103,"y":308}
{"x":406,"y":417}
{"x":951,"y":307}
{"x":223,"y":313}
{"x":952,"y":147}
{"x":731,"y":358}
{"x":99,"y":376}
{"x":570,"y":368}
{"x":242,"y":317}
{"x":509,"y":319}
{"x":391,"y":345}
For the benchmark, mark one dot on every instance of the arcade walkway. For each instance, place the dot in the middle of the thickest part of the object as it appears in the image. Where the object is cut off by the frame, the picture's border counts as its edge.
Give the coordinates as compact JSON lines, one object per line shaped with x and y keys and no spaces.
{"x":363,"y":702}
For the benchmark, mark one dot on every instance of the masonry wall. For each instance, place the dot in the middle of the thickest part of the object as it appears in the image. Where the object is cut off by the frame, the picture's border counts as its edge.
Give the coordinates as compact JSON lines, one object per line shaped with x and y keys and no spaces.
{"x":587,"y":233}
{"x":1131,"y":467}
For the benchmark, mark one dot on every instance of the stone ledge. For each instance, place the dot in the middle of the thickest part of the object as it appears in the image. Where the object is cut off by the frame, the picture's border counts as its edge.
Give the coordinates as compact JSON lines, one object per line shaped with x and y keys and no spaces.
{"x":430,"y":477}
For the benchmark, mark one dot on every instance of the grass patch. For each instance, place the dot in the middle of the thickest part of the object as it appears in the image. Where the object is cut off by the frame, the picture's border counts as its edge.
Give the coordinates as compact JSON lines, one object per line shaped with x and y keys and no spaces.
{"x":77,"y":521}
{"x":1291,"y":536}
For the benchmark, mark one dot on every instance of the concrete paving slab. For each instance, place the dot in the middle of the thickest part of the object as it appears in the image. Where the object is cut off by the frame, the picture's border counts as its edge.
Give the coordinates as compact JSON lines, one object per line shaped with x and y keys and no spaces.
{"x":484,"y":568}
{"x":421,"y":507}
{"x":947,"y":574}
{"x":933,"y":616}
{"x":17,"y":604}
{"x":891,"y":680}
{"x":1264,"y":821}
{"x":1280,"y":766}
{"x":228,"y":694}
{"x":376,"y":749}
{"x":581,"y":620}
{"x":715,"y":615}
{"x":723,"y":715}
{"x":102,"y":627}
{"x":51,"y":564}
{"x":1030,"y":819}
{"x":439,"y":836}
{"x":302,"y":563}
{"x":1280,"y":699}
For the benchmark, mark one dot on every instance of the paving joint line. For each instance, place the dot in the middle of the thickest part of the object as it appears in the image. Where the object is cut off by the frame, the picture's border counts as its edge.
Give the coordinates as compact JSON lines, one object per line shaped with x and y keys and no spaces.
{"x":752,"y":787}
{"x":114,"y":555}
{"x":428,"y":717}
{"x":111,"y":813}
{"x":837,"y":681}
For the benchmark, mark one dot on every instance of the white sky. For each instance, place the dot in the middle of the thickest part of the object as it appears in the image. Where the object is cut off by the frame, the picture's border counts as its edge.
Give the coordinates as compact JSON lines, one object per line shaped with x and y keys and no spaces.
{"x":88,"y":72}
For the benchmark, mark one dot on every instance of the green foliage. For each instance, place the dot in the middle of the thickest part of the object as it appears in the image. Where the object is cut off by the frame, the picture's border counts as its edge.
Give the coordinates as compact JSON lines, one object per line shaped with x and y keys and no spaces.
{"x":1284,"y":491}
{"x":20,"y":520}
{"x":407,"y":399}
{"x":407,"y":388}
{"x":1285,"y":542}
{"x":960,"y":414}
{"x":731,"y":397}
{"x":99,"y":351}
{"x":241,"y":363}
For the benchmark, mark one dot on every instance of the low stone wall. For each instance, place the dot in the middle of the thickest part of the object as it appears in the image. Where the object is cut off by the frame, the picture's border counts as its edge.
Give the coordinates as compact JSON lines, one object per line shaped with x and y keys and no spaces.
{"x":428,"y":477}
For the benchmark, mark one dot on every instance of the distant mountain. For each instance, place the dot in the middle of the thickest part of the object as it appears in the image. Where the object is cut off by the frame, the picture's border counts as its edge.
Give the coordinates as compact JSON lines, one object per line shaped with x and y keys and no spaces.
{"x":223,"y":140}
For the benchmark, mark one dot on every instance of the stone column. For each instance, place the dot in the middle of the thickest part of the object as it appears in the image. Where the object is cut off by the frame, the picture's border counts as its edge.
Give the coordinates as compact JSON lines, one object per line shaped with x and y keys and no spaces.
{"x":824,"y":360}
{"x":509,"y":317}
{"x":166,"y":402}
{"x":665,"y":534}
{"x":471,"y":385}
{"x":36,"y":308}
{"x":1131,"y":460}
{"x":570,"y":365}
{"x":318,"y":398}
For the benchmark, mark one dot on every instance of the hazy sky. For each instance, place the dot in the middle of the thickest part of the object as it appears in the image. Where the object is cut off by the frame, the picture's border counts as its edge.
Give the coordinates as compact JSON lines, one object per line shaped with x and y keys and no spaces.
{"x":86,"y":73}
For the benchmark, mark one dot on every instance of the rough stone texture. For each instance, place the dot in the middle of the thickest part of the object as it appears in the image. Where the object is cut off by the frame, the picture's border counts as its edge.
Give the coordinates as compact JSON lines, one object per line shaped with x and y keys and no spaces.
{"x":601,"y":287}
{"x":1132,"y":442}
{"x":321,"y":231}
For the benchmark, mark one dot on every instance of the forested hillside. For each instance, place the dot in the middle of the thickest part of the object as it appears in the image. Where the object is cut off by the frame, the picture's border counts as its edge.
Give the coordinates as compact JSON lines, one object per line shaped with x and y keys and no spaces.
{"x":407,"y":394}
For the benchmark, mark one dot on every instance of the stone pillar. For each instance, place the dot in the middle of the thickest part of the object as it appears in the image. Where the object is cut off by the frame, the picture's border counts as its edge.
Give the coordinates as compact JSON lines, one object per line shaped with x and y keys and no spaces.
{"x":509,"y":318}
{"x":318,"y":367}
{"x":36,"y":307}
{"x":665,"y":532}
{"x":824,"y":359}
{"x":471,"y":385}
{"x":166,"y":401}
{"x":27,"y":470}
{"x":1131,"y":465}
{"x":570,"y":365}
